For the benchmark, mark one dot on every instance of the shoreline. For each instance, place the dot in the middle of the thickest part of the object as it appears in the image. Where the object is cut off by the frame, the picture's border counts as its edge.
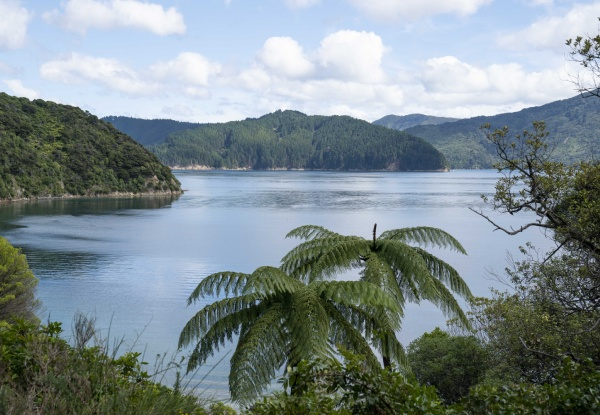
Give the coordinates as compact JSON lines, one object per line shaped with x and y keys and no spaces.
{"x":208,"y":168}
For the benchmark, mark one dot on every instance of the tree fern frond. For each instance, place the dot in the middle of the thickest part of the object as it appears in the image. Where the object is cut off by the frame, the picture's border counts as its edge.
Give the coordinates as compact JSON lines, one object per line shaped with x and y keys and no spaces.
{"x":258,"y":355}
{"x":409,"y":267}
{"x":359,"y":293}
{"x":223,"y":330}
{"x":303,"y":262}
{"x":271,"y":281}
{"x":446,"y":302}
{"x":346,"y":334}
{"x":201,"y":322}
{"x":381,"y":274}
{"x":309,"y":327}
{"x":214,"y":284}
{"x":446,"y":274}
{"x":424,"y":235}
{"x":308,"y":232}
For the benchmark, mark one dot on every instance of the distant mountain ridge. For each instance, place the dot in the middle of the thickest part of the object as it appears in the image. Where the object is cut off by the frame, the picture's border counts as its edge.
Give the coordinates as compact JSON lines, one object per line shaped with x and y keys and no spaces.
{"x":403,"y":122}
{"x":53,"y":150}
{"x":148,"y":132}
{"x":573,"y":124}
{"x":292,"y":140}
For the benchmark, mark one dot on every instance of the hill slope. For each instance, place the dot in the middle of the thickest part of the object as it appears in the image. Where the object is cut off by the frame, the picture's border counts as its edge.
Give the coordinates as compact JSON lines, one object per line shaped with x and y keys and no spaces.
{"x":573,"y":124}
{"x":148,"y":132}
{"x":292,"y":140}
{"x":403,"y":122}
{"x":52,"y":150}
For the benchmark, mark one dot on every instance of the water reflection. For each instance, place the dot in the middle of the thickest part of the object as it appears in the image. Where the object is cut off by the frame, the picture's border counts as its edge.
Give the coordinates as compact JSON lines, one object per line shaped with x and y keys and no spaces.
{"x":83,"y":206}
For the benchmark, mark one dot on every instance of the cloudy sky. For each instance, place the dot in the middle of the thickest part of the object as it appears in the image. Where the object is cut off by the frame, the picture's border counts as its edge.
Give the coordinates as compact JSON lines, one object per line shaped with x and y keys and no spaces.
{"x":223,"y":60}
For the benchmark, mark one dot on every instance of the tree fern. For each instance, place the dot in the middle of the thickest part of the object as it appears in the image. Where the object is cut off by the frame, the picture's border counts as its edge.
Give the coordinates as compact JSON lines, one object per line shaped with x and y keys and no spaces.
{"x":396,"y":262}
{"x":280,"y":320}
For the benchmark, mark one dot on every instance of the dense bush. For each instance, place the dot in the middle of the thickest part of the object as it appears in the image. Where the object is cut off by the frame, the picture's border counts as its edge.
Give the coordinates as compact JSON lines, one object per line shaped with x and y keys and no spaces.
{"x":40,"y":373}
{"x":17,"y":285}
{"x":452,"y":364}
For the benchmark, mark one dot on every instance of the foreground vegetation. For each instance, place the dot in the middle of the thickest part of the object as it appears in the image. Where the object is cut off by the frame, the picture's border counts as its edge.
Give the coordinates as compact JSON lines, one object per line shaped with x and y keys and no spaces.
{"x":52,"y":150}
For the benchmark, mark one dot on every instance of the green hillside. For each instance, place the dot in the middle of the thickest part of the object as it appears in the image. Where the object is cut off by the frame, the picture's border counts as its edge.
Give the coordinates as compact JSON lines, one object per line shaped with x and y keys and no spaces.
{"x":148,"y":132}
{"x":292,"y":140}
{"x":573,"y":124}
{"x":52,"y":150}
{"x":403,"y":122}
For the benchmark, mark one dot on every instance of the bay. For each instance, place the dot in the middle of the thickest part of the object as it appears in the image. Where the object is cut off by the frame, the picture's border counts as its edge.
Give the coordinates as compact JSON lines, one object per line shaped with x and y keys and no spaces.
{"x":133,"y":262}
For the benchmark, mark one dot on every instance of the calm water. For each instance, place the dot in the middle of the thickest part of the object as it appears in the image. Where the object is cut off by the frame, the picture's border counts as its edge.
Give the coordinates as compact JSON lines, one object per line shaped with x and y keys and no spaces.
{"x":133,"y":262}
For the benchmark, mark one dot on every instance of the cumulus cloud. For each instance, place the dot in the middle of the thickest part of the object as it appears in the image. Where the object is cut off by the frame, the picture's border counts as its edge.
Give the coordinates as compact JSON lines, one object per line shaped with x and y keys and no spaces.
{"x":81,"y":15}
{"x":284,"y":56}
{"x":17,"y":88}
{"x":406,"y":10}
{"x":188,"y":68}
{"x":352,"y":56}
{"x":110,"y":73}
{"x":551,"y":32}
{"x":13,"y":24}
{"x":447,"y":80}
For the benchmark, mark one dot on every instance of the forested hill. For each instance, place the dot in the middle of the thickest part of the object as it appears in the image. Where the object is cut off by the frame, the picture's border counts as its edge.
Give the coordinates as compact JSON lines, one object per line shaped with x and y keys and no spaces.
{"x":52,"y":150}
{"x":148,"y":132}
{"x":292,"y":140}
{"x":573,"y":124}
{"x":403,"y":122}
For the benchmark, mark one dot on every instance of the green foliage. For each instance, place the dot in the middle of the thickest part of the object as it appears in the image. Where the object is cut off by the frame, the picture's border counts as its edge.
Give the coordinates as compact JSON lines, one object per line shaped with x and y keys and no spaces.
{"x":52,"y":150}
{"x":41,"y":374}
{"x":407,"y":272}
{"x":17,"y":285}
{"x":281,"y":321}
{"x":292,"y":140}
{"x":452,"y":364}
{"x":575,"y":390}
{"x":572,"y":124}
{"x":329,"y":387}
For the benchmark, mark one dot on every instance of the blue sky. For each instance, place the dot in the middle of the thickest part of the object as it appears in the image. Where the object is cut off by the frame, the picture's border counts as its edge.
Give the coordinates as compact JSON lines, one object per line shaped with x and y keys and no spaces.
{"x":223,"y":60}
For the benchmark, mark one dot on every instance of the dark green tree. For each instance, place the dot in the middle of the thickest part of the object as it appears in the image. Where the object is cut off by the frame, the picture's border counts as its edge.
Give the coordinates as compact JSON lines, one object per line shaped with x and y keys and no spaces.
{"x":407,"y":272}
{"x":281,"y":321}
{"x":450,"y":363}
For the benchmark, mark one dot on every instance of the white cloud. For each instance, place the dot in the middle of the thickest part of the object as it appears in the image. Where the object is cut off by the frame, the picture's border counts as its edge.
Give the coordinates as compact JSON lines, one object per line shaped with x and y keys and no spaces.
{"x":284,"y":56}
{"x":301,"y":4}
{"x":187,"y":68}
{"x":110,"y":73}
{"x":448,"y":74}
{"x":448,"y":82}
{"x":13,"y":24}
{"x":407,"y":10}
{"x":352,"y":56}
{"x":82,"y":15}
{"x":17,"y":88}
{"x":552,"y":32}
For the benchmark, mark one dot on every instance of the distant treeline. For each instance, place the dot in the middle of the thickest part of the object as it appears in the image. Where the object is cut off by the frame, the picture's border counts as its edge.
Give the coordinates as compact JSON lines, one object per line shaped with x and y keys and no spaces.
{"x":52,"y":150}
{"x":292,"y":140}
{"x":573,"y":125}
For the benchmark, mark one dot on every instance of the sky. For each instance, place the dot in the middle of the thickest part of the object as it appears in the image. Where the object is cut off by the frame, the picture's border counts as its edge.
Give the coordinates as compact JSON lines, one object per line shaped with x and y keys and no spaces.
{"x":226,"y":60}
